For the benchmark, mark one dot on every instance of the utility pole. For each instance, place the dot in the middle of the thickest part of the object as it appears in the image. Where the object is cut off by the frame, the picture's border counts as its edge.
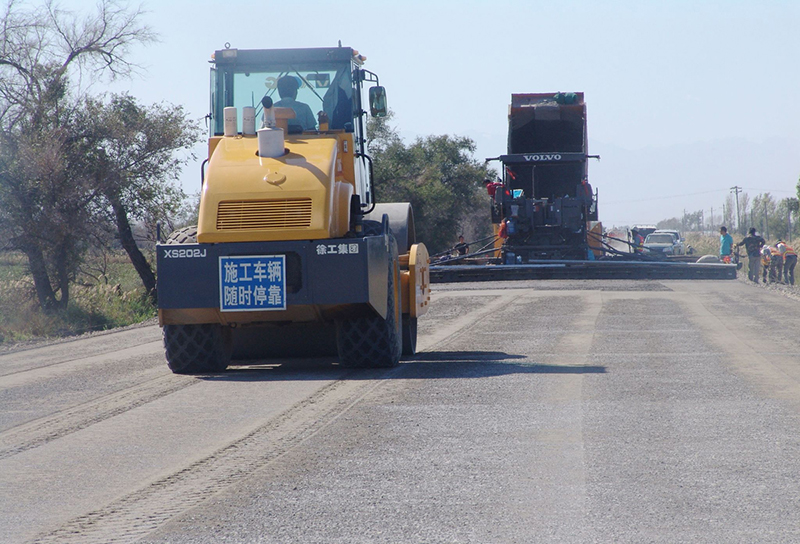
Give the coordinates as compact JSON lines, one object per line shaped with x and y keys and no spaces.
{"x":736,"y":189}
{"x":766,"y":221}
{"x":711,"y":223}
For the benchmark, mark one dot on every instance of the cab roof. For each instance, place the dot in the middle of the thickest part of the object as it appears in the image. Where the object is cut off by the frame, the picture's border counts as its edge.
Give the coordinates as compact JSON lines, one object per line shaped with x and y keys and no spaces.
{"x":265,"y":57}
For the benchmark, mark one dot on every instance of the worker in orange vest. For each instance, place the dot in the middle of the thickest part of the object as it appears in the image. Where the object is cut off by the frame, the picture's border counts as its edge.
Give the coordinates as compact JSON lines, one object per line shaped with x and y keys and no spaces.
{"x":766,"y":257}
{"x":775,"y":265}
{"x":789,"y":262}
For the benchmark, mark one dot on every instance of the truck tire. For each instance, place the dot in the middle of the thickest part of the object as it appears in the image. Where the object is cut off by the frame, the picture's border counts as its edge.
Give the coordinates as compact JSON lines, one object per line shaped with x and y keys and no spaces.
{"x":196,"y":349}
{"x":374,"y":341}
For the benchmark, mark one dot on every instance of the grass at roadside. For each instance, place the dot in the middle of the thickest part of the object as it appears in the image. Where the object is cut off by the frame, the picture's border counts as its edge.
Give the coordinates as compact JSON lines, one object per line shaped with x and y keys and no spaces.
{"x":106,"y":294}
{"x":703,"y":244}
{"x":708,"y":244}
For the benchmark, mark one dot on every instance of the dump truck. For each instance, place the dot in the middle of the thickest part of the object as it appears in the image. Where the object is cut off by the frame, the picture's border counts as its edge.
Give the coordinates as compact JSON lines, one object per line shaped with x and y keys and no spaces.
{"x":292,"y":255}
{"x":545,"y":206}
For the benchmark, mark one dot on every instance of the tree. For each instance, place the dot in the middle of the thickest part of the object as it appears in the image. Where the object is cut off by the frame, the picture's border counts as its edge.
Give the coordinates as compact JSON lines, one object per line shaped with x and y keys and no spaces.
{"x":729,"y":212}
{"x":766,"y":215}
{"x":694,"y":221}
{"x":798,"y":188}
{"x":132,"y":153}
{"x":43,"y":208}
{"x":673,"y":223}
{"x":436,"y":174}
{"x":793,"y":210}
{"x":741,"y":218}
{"x":47,"y":193}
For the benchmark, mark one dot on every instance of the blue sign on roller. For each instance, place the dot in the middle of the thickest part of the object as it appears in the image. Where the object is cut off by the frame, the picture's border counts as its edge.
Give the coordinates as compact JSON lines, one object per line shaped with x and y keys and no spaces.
{"x":252,"y":283}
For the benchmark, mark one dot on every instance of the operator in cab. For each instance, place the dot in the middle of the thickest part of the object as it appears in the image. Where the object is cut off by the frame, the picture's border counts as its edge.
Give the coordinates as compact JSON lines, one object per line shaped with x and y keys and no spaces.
{"x":287,"y":89}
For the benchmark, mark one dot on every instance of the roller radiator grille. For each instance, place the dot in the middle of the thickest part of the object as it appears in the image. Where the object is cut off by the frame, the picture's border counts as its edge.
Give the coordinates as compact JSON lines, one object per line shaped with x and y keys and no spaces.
{"x":292,"y":213}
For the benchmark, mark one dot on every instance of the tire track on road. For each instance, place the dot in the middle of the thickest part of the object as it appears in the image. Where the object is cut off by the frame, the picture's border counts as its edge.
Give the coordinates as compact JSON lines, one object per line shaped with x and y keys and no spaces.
{"x":44,"y":430}
{"x":462,"y":324}
{"x":137,"y":514}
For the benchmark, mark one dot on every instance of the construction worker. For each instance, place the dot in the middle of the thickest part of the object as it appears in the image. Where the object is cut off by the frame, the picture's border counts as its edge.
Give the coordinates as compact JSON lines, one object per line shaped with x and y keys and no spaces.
{"x":492,"y":186}
{"x":789,"y":262}
{"x":503,"y":231}
{"x":766,"y":256}
{"x":637,"y":242}
{"x":585,"y":194}
{"x":461,"y":247}
{"x":775,"y":265}
{"x":753,"y":244}
{"x":725,"y":245}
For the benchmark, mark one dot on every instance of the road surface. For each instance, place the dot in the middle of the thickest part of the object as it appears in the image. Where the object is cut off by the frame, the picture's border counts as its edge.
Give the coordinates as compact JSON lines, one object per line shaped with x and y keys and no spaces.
{"x":539,"y":411}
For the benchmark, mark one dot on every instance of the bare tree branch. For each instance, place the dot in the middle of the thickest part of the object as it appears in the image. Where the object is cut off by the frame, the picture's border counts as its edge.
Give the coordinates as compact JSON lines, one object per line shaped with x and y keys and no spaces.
{"x":49,"y":198}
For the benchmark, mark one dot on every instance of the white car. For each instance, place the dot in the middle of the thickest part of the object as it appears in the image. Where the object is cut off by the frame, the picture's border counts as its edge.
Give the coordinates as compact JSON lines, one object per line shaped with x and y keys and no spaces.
{"x":665,"y":242}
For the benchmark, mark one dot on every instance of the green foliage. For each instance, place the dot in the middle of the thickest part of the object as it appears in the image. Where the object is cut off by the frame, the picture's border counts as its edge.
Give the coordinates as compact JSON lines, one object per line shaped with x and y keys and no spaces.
{"x":48,"y":191}
{"x":673,"y":223}
{"x":97,"y":303}
{"x":132,"y":147}
{"x":772,"y":218}
{"x":689,"y":222}
{"x":436,"y":174}
{"x":769,"y":216}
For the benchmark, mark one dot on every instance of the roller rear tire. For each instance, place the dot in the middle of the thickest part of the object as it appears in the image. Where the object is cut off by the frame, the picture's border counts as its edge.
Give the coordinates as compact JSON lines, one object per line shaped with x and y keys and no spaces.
{"x":197,"y":349}
{"x":374,"y":341}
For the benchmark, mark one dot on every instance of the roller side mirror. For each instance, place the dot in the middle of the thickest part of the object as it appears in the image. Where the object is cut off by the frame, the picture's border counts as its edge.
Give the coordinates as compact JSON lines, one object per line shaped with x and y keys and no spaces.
{"x":377,"y":101}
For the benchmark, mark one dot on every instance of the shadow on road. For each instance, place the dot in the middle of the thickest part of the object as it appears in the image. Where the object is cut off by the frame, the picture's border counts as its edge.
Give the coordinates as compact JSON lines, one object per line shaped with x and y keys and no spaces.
{"x":480,"y":364}
{"x":426,"y":365}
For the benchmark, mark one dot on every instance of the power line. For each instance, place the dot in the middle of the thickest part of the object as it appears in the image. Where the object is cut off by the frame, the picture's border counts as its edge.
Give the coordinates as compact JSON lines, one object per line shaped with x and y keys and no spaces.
{"x":663,"y":197}
{"x":762,"y":191}
{"x":741,"y":189}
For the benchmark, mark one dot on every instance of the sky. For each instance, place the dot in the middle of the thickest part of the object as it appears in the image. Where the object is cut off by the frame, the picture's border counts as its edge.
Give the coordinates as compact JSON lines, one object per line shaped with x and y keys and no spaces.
{"x":685,"y":99}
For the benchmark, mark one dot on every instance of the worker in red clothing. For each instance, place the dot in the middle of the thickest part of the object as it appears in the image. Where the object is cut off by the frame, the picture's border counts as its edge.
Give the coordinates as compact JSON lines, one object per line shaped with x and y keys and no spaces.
{"x":637,"y":242}
{"x":492,"y":187}
{"x":584,"y":193}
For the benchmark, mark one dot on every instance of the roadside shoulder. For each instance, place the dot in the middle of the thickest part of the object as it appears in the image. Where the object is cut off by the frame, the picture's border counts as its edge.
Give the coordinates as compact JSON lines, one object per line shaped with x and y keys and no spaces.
{"x":42,"y":342}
